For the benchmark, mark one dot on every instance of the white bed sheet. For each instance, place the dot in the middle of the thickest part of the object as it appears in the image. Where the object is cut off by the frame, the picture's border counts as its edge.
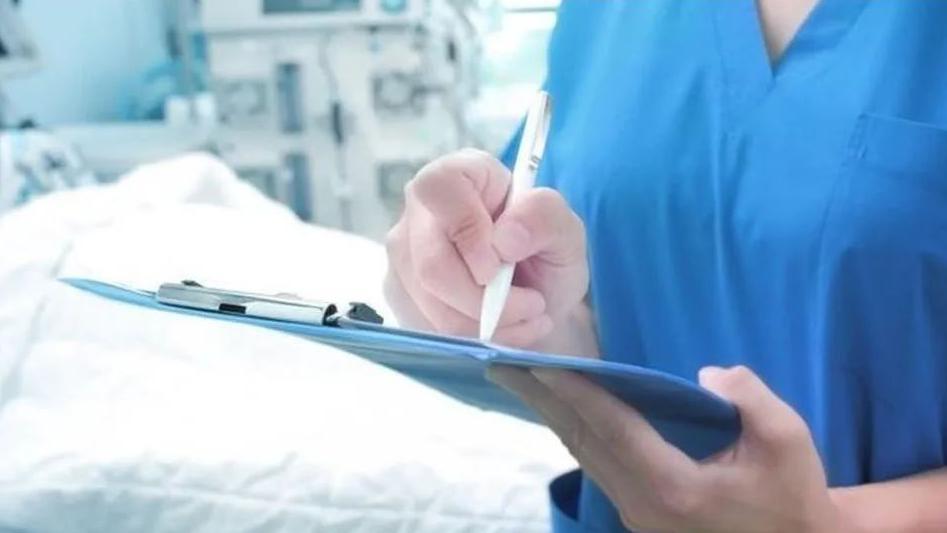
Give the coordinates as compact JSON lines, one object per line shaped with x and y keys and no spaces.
{"x":114,"y":418}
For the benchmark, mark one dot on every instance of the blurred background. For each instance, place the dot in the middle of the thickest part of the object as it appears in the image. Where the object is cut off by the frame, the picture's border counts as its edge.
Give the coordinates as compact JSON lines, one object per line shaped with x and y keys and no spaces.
{"x":252,"y":145}
{"x":326,"y":106}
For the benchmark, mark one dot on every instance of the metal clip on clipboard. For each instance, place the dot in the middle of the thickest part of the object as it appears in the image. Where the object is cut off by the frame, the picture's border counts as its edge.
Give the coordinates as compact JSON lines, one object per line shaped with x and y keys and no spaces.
{"x":287,"y":307}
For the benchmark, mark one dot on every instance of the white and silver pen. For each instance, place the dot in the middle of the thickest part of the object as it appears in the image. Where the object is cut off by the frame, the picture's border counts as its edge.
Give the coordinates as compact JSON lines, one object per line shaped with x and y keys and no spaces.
{"x":528,"y":157}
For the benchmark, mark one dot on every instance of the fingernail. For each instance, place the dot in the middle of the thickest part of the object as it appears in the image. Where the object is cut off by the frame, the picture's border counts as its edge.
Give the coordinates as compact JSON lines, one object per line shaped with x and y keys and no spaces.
{"x":510,"y":238}
{"x":709,"y":372}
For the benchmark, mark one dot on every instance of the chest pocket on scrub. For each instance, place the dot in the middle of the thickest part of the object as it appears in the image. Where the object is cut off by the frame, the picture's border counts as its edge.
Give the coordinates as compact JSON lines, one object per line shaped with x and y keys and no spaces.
{"x":892,"y":192}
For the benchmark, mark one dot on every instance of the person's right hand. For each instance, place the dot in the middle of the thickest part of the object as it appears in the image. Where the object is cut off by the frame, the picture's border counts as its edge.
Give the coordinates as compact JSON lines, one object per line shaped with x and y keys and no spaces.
{"x":452,"y":238}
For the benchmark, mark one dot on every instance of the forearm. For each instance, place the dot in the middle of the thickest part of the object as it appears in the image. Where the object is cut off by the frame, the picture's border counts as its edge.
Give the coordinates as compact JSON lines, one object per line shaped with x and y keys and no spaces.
{"x":916,"y":504}
{"x":574,"y":335}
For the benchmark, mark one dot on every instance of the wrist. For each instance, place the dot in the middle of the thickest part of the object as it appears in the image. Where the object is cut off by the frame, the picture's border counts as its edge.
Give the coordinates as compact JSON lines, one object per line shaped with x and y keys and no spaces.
{"x":825,"y":516}
{"x":838,"y":516}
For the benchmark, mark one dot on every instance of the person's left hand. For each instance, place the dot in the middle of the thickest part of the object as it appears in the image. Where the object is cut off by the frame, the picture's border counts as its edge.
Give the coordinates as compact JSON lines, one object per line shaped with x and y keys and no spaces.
{"x":771,"y":479}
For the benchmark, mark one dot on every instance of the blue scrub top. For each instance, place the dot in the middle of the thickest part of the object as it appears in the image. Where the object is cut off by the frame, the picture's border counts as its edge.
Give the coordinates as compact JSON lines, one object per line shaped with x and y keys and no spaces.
{"x":790,"y":218}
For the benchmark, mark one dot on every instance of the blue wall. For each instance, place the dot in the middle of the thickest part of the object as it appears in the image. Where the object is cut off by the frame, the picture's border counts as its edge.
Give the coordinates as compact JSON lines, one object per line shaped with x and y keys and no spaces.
{"x":94,"y":53}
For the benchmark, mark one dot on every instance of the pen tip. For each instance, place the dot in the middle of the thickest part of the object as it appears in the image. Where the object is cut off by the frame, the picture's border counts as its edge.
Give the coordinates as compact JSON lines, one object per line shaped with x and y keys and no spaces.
{"x":485,"y":333}
{"x":488,"y":324}
{"x":494,"y":300}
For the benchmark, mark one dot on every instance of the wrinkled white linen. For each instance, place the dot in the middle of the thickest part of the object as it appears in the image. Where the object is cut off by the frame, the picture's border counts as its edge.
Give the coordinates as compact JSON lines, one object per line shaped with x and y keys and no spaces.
{"x":114,"y":418}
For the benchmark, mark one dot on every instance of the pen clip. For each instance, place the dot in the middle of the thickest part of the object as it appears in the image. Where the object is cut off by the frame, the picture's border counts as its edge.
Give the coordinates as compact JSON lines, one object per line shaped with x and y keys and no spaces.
{"x":543,"y":112}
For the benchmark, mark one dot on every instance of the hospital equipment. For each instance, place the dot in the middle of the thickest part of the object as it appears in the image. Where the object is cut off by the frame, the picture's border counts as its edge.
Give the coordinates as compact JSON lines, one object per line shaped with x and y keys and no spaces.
{"x":34,"y":163}
{"x":36,"y":160}
{"x":111,"y":149}
{"x":19,"y":54}
{"x":528,"y":157}
{"x":332,"y":105}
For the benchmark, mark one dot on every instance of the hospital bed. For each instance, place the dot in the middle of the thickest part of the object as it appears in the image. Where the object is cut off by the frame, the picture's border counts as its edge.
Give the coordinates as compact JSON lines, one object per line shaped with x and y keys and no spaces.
{"x":114,"y":418}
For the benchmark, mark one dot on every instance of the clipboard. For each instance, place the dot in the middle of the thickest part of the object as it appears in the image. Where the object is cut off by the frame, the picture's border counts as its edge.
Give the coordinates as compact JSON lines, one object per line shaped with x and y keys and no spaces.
{"x":686,"y":415}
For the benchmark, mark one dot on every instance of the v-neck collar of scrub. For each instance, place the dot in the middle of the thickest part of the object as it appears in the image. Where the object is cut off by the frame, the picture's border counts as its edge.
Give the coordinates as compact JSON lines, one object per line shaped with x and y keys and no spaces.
{"x":749,"y":74}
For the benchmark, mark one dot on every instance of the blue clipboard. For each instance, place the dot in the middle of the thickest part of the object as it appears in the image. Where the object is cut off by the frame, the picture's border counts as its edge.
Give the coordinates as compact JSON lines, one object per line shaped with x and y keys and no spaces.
{"x":686,"y":415}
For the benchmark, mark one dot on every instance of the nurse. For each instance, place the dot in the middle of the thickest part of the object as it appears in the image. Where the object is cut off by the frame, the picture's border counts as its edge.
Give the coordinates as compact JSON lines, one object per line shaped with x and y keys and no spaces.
{"x":750,"y":192}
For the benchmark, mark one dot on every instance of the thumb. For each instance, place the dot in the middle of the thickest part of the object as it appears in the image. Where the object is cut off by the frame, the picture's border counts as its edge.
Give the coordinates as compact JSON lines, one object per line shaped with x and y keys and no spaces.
{"x":540,"y":223}
{"x":765,"y":416}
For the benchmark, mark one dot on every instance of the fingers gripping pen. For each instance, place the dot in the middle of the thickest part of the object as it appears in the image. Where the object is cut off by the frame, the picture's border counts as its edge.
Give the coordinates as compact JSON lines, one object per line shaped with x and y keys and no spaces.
{"x":528,"y":158}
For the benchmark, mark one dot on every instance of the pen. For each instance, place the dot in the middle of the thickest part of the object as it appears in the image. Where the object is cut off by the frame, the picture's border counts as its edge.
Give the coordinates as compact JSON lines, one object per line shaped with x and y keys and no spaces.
{"x":528,"y":157}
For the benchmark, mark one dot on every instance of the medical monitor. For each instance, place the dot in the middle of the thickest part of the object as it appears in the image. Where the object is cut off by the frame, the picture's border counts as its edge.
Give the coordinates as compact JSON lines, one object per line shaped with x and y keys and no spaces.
{"x":18,"y":52}
{"x":309,"y":6}
{"x":255,"y":17}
